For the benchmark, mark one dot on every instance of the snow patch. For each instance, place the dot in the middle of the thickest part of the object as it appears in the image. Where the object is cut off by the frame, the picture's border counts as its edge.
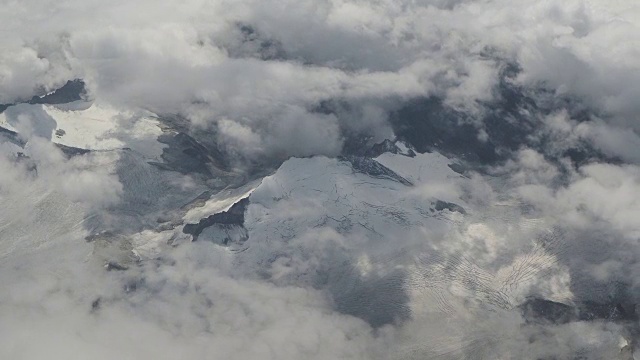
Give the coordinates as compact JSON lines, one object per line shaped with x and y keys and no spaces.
{"x":102,"y":127}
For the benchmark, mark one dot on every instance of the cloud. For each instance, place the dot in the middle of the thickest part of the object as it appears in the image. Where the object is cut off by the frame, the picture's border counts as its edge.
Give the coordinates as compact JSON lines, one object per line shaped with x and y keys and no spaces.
{"x":191,"y":309}
{"x":274,"y":79}
{"x":178,"y":62}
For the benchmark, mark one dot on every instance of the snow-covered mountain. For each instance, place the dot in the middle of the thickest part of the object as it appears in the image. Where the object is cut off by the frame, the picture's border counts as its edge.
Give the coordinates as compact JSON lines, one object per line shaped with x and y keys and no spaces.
{"x":319,"y":179}
{"x":392,"y":236}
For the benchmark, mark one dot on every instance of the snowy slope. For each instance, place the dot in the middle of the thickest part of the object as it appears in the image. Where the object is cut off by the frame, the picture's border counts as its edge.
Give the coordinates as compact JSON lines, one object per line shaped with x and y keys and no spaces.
{"x":372,"y":241}
{"x":148,"y":199}
{"x":87,"y":125}
{"x":366,"y":215}
{"x":333,"y":193}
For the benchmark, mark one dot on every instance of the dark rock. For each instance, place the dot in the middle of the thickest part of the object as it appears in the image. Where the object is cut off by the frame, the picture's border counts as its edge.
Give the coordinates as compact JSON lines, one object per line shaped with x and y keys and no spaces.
{"x":233,"y":216}
{"x":590,"y":310}
{"x":73,"y":90}
{"x":538,"y":310}
{"x":112,"y":265}
{"x":387,"y":146}
{"x":443,"y":205}
{"x":429,"y":125}
{"x":186,"y":155}
{"x":7,"y":131}
{"x":11,"y":136}
{"x":511,"y":120}
{"x":460,"y":169}
{"x":95,"y":305}
{"x":255,"y":44}
{"x":373,"y":168}
{"x":71,"y":151}
{"x":100,"y":236}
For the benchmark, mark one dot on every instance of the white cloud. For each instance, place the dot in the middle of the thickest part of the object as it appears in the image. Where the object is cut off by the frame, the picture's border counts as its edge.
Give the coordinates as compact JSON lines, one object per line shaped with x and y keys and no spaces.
{"x":191,"y":310}
{"x":163,"y":58}
{"x":266,"y":99}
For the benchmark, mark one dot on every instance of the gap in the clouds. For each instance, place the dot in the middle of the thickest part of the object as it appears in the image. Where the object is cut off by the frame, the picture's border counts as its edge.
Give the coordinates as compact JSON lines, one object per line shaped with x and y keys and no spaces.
{"x":490,"y":135}
{"x":484,"y":134}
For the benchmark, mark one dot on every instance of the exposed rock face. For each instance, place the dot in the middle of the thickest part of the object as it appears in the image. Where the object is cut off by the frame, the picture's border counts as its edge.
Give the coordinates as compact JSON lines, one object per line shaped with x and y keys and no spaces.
{"x":228,"y":226}
{"x":73,"y":90}
{"x":540,"y":310}
{"x":186,"y":155}
{"x":373,"y":168}
{"x":510,"y":121}
{"x":443,"y":205}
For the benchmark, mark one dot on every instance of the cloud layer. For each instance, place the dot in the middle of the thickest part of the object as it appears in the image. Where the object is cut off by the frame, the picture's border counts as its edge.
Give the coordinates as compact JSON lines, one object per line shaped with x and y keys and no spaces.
{"x":256,"y":67}
{"x":270,"y":80}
